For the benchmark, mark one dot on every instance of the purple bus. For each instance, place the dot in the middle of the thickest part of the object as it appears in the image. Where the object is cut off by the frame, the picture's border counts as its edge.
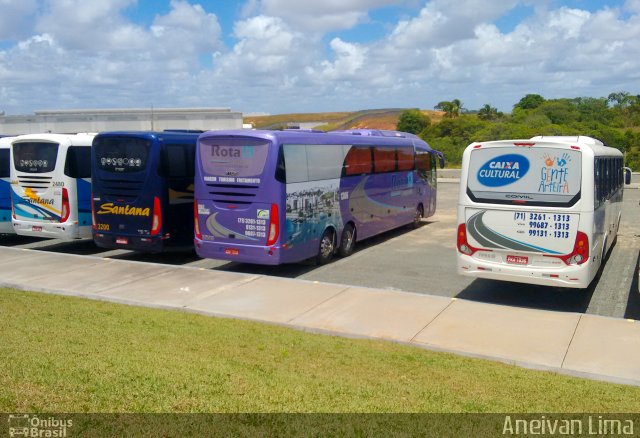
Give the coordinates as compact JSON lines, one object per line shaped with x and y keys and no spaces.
{"x":272,"y":197}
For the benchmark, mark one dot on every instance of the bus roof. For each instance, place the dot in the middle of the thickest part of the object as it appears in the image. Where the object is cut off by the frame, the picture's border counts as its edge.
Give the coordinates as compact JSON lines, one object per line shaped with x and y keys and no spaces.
{"x":356,"y":136}
{"x":573,"y":141}
{"x":81,"y":139}
{"x":168,"y":134}
{"x":5,"y":142}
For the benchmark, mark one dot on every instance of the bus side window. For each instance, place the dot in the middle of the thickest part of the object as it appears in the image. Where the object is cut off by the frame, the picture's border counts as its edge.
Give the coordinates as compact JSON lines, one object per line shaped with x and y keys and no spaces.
{"x":5,"y":165}
{"x":406,"y":160}
{"x":78,"y":162}
{"x":324,"y":161}
{"x":358,"y":161}
{"x":177,"y":161}
{"x":295,"y":162}
{"x":423,"y":165}
{"x":384,"y":159}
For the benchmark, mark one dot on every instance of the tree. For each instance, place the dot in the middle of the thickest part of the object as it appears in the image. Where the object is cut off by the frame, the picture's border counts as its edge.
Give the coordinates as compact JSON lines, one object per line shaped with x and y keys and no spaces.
{"x":620,"y":99}
{"x":530,"y":101}
{"x":452,"y":109}
{"x":487,"y":112}
{"x":413,"y":121}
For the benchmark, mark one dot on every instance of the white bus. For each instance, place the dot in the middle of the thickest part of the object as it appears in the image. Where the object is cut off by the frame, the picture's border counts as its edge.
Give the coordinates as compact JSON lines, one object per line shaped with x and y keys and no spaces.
{"x":5,"y":187}
{"x":542,"y":211}
{"x":51,"y":185}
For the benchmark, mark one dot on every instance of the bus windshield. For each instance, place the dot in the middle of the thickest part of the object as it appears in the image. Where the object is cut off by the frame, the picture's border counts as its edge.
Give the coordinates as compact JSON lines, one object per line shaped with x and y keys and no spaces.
{"x":121,"y":154}
{"x":233,"y":157}
{"x":35,"y":157}
{"x":530,"y":176}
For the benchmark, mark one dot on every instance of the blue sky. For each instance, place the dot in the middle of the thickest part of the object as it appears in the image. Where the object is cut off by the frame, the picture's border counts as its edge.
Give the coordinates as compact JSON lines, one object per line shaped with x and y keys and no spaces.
{"x":278,"y":56}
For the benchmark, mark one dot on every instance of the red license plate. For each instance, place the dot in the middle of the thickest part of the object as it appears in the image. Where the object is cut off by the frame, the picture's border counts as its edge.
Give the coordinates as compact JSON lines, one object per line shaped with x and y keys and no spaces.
{"x":232,"y":251}
{"x":36,"y":228}
{"x":122,"y":241}
{"x":517,"y":260}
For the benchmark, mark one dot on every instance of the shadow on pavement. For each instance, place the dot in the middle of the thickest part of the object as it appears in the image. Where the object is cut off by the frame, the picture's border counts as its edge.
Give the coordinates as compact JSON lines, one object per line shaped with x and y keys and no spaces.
{"x":633,"y":304}
{"x":529,"y":295}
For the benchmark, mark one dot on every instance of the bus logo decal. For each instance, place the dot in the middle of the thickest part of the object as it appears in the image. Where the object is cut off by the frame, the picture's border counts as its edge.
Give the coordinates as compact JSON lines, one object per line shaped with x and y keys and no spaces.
{"x":263,"y":214}
{"x":503,"y":170}
{"x":109,"y":208}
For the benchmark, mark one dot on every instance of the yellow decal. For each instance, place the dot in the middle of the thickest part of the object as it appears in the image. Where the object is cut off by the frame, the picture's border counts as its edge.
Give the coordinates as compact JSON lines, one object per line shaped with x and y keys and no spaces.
{"x":32,"y":197}
{"x":109,"y":208}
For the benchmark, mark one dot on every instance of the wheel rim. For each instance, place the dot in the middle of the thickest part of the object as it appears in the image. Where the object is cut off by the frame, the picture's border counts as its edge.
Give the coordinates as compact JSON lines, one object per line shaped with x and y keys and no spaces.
{"x":419,"y":215}
{"x":326,"y":245}
{"x":347,"y":240}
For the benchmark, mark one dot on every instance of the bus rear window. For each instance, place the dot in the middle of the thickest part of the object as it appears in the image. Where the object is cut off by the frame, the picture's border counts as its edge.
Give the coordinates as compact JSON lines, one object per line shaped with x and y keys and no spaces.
{"x":121,"y":154}
{"x":529,"y":176}
{"x":35,"y":157}
{"x":233,"y":157}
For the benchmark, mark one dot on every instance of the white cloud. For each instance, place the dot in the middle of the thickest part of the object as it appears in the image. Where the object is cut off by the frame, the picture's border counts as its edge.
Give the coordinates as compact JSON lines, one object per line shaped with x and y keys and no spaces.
{"x":15,"y":20}
{"x":289,"y":55}
{"x":322,"y":16}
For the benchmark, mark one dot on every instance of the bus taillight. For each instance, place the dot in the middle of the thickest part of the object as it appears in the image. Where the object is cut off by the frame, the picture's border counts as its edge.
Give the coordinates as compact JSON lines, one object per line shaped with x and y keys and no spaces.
{"x":157,"y":217}
{"x":274,"y":225}
{"x":196,"y":223}
{"x":463,"y":245}
{"x":580,"y":253}
{"x":66,"y":209}
{"x":93,"y":213}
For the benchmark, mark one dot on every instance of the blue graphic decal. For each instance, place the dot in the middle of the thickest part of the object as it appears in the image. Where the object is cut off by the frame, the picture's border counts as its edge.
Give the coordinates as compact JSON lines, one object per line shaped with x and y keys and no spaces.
{"x":503,"y":170}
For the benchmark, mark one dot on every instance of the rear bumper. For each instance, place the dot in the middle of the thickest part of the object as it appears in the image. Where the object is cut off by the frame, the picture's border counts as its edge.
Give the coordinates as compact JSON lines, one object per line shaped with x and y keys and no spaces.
{"x":134,"y":243}
{"x":51,"y":230}
{"x":262,"y":255}
{"x":573,"y":276}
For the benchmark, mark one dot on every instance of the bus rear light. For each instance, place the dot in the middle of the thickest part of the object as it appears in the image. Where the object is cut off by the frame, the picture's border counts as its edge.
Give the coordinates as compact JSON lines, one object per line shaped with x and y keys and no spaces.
{"x":524,"y":144}
{"x":575,"y":147}
{"x":463,"y":245}
{"x":66,"y":209}
{"x":478,"y":146}
{"x":93,"y":213}
{"x":156,"y":223}
{"x":274,"y":225}
{"x":580,"y":253}
{"x":196,"y":221}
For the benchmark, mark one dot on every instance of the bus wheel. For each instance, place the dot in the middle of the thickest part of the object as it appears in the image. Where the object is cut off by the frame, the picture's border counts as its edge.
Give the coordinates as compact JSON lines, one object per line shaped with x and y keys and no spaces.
{"x":418,"y":216}
{"x":348,"y":242}
{"x":327,"y":247}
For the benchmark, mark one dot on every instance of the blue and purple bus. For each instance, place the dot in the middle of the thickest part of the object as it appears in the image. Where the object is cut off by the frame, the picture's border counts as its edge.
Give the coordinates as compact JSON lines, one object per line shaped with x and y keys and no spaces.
{"x":5,"y":185}
{"x":143,"y":190}
{"x":272,"y":197}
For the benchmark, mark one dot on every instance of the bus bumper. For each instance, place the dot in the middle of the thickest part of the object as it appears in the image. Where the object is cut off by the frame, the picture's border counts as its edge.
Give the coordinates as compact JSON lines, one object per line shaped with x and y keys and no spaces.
{"x":262,"y":255}
{"x":51,"y":230}
{"x":152,"y":244}
{"x":572,"y":276}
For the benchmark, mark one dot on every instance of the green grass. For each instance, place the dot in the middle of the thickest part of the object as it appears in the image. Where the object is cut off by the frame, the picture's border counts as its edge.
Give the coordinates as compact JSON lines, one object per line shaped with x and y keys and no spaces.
{"x":64,"y":354}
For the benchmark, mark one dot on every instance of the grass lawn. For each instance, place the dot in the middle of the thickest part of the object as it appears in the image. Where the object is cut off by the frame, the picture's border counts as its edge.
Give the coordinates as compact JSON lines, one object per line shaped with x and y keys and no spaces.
{"x":63,"y":354}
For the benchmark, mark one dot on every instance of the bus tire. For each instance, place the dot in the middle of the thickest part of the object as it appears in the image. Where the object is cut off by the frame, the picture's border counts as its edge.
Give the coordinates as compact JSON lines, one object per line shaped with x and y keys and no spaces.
{"x":326,"y":248}
{"x":417,"y":218}
{"x":348,"y":241}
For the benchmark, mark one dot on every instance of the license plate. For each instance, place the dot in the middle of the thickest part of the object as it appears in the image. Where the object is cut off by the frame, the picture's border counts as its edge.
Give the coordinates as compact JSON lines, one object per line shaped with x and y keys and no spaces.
{"x":517,"y":260}
{"x":232,"y":251}
{"x":122,"y":241}
{"x":36,"y":228}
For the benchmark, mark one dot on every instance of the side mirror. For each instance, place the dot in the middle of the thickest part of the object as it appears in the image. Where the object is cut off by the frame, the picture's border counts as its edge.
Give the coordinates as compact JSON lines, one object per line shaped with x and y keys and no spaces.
{"x":627,"y":175}
{"x":441,"y":161}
